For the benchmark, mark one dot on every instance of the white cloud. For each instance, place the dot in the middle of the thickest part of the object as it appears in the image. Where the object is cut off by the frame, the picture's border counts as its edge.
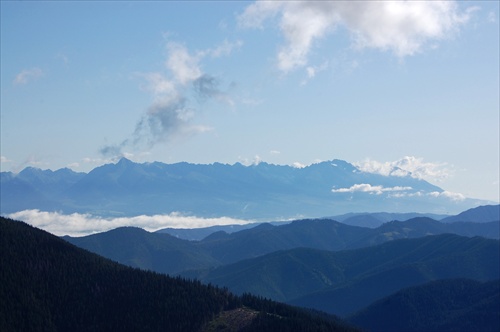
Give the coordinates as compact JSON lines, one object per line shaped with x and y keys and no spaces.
{"x":98,"y":161}
{"x":368,"y":188}
{"x":448,"y":194}
{"x":257,"y":13}
{"x":402,"y":27}
{"x":158,"y":84}
{"x":398,"y":192}
{"x":27,"y":75}
{"x":73,"y":165}
{"x":312,"y":71}
{"x":184,"y":66}
{"x":408,"y":166}
{"x":444,"y":194}
{"x":298,"y":165}
{"x":84,"y":224}
{"x":4,"y":159}
{"x":225,"y":49}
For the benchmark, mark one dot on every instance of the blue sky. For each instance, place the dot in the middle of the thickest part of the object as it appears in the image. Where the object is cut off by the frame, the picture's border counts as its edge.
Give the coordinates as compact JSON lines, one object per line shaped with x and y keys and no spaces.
{"x":407,"y":84}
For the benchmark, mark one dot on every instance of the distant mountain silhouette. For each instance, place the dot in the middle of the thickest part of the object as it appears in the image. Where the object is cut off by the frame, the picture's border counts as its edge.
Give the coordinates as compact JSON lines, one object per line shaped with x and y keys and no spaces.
{"x":167,"y":254}
{"x":444,"y":305}
{"x":479,"y":214}
{"x":370,"y":220}
{"x":197,"y":234}
{"x":258,"y":192}
{"x":376,"y":219}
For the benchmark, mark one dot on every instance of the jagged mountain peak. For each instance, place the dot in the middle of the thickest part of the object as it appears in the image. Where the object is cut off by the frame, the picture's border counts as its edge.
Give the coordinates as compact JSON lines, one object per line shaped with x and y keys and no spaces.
{"x":262,"y":192}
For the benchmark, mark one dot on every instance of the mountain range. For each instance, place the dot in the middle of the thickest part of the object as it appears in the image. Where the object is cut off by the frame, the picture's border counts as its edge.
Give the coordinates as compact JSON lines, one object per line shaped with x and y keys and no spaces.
{"x":318,"y":263}
{"x":345,"y":281}
{"x":256,"y":192}
{"x":47,"y":284}
{"x":165,"y":253}
{"x":61,"y":287}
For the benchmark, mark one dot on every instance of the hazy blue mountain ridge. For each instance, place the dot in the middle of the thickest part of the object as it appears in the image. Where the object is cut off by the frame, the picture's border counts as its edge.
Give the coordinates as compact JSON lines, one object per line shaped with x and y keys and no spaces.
{"x":140,"y":247}
{"x":345,"y":281}
{"x":197,"y":234}
{"x":376,"y":219}
{"x":260,"y":192}
{"x":370,"y":220}
{"x":484,"y":213}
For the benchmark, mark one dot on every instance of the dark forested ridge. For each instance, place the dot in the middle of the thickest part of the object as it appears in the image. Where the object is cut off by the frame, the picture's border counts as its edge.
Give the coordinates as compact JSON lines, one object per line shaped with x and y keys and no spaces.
{"x":47,"y":284}
{"x":346,"y":281}
{"x":443,"y":305}
{"x":166,"y":254}
{"x":136,"y":247}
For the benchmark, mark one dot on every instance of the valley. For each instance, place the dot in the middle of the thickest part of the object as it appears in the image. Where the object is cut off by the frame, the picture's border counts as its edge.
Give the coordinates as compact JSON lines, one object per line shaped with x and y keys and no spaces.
{"x":320,"y":264}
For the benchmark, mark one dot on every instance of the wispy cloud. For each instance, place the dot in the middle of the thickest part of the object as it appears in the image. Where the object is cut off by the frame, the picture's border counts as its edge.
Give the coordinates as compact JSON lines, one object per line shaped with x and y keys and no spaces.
{"x":225,"y":49}
{"x":184,"y":67}
{"x":171,"y":115}
{"x":368,"y":188}
{"x":455,"y":197}
{"x":448,"y":194}
{"x":73,"y":165}
{"x":4,"y":159}
{"x":28,"y":75}
{"x":31,"y":160}
{"x":401,"y":27}
{"x":77,"y":224}
{"x":408,"y":166}
{"x":399,"y":192}
{"x":492,"y":17}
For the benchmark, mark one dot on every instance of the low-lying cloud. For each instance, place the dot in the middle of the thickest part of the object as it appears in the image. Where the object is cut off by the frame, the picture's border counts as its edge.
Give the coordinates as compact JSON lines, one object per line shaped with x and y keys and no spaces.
{"x":368,"y":188}
{"x":398,"y":192}
{"x":401,"y":27}
{"x":77,"y":224}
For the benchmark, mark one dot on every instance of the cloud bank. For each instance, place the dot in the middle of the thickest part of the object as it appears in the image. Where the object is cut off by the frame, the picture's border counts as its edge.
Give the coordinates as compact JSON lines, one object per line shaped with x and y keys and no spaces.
{"x":398,"y":192}
{"x":408,"y":166}
{"x":368,"y":188}
{"x":77,"y":224}
{"x":401,"y":27}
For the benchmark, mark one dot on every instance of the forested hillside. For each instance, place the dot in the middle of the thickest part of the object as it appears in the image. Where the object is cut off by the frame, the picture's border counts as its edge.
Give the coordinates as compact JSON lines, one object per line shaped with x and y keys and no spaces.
{"x":166,"y":254}
{"x":345,"y":281}
{"x":443,"y":305}
{"x":47,"y":284}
